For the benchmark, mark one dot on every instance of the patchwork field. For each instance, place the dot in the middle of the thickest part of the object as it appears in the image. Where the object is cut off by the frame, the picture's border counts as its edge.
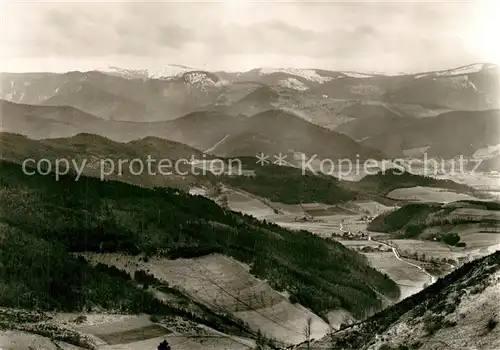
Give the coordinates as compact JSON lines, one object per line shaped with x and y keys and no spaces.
{"x":226,"y":285}
{"x":428,"y":194}
{"x":319,"y":218}
{"x":327,"y":220}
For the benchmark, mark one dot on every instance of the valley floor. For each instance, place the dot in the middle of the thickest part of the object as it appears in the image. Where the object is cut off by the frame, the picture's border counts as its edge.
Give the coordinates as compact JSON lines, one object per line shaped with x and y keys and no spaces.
{"x":383,"y":253}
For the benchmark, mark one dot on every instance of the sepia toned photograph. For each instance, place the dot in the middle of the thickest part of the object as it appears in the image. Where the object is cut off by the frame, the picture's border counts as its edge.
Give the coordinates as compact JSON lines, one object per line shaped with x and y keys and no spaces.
{"x":250,"y":175}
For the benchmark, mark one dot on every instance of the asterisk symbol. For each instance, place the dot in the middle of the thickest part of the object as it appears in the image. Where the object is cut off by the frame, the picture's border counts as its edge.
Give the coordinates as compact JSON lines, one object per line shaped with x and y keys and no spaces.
{"x":280,"y":159}
{"x":262,"y":159}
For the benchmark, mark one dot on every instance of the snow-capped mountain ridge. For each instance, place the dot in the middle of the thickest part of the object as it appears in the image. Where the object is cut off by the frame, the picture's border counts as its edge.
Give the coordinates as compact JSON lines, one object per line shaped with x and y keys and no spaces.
{"x":125,"y":72}
{"x":199,"y":78}
{"x":293,"y":83}
{"x":309,"y":74}
{"x":463,"y":70}
{"x":171,"y":70}
{"x":167,"y":71}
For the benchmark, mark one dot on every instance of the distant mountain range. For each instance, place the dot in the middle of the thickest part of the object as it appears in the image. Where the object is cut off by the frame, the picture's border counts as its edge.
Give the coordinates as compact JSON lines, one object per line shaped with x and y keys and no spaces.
{"x":469,"y":87}
{"x":176,"y":90}
{"x":448,"y":113}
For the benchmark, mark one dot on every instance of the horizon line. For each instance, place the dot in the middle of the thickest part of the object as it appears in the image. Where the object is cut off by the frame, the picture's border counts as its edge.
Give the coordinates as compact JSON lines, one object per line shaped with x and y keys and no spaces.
{"x":488,"y":65}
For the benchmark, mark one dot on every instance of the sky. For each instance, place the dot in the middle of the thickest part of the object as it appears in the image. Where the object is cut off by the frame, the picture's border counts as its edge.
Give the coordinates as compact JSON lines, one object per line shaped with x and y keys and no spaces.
{"x":235,"y":35}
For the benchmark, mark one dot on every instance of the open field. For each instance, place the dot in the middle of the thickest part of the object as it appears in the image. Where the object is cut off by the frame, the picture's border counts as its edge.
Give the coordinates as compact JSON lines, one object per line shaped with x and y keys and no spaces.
{"x":409,"y":278}
{"x":243,"y":203}
{"x":111,"y":331}
{"x":359,"y":245}
{"x":123,"y":330}
{"x":480,"y":243}
{"x":14,"y":340}
{"x":133,"y":335}
{"x":428,"y":194}
{"x":291,"y":321}
{"x":226,"y":285}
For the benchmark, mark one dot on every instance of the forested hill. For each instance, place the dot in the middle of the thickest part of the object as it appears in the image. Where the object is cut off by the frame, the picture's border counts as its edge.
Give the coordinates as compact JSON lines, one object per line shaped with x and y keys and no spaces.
{"x":108,"y":216}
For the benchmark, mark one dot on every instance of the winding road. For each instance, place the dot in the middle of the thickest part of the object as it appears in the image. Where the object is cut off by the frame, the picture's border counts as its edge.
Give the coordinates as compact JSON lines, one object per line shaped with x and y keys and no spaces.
{"x":396,"y":254}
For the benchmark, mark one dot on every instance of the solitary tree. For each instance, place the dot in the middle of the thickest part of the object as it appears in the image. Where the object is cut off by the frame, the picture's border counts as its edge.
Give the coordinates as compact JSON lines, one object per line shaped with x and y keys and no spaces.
{"x":307,"y":332}
{"x":164,"y":346}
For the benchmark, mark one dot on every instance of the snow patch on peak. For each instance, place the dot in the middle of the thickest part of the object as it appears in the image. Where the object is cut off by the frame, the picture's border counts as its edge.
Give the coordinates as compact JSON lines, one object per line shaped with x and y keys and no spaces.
{"x":171,"y":70}
{"x":473,"y":68}
{"x":126,"y":73}
{"x":293,"y":83}
{"x":308,"y":74}
{"x":357,"y":75}
{"x":198,"y":77}
{"x":201,"y":79}
{"x":167,"y":71}
{"x":469,"y":69}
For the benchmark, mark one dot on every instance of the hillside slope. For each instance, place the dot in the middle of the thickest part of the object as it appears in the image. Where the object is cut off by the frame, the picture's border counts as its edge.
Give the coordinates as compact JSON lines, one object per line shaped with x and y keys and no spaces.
{"x":443,"y":222}
{"x":279,"y":183}
{"x":94,"y":100}
{"x":459,"y":311}
{"x":94,"y":152}
{"x":90,"y":215}
{"x":275,"y":131}
{"x":198,"y":129}
{"x":201,"y":129}
{"x":272,"y":131}
{"x":446,"y":136}
{"x":113,"y":97}
{"x":257,"y":101}
{"x":371,"y":120}
{"x":385,"y":181}
{"x":473,"y":87}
